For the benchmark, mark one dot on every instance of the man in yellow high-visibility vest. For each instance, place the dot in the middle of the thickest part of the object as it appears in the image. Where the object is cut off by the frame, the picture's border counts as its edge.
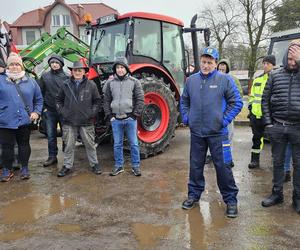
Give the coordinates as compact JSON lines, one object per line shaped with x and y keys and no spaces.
{"x":256,"y":122}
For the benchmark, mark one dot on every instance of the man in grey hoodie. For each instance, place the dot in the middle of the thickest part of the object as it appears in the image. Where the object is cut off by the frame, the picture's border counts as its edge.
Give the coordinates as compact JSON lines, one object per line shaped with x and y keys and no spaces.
{"x":123,"y":103}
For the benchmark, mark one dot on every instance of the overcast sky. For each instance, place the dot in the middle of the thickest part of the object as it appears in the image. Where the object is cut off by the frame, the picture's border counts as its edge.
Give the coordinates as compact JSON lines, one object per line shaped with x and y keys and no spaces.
{"x":11,"y":9}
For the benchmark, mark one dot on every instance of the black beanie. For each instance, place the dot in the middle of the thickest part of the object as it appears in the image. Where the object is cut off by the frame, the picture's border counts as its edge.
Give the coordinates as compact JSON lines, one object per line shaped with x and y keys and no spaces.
{"x":2,"y":64}
{"x":270,"y":58}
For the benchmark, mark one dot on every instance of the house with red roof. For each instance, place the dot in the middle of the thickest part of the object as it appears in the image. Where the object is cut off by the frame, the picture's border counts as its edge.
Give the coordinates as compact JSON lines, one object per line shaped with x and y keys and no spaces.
{"x":30,"y":25}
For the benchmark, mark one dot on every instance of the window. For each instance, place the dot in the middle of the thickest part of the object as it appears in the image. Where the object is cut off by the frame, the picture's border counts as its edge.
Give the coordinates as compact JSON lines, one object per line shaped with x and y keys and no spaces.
{"x":55,"y":20}
{"x":173,"y":51}
{"x":66,"y":20}
{"x":30,"y":36}
{"x":147,"y":39}
{"x":85,"y":38}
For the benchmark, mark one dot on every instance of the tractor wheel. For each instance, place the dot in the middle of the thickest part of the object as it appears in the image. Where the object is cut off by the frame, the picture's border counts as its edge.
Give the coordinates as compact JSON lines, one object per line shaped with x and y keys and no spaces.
{"x":158,"y":120}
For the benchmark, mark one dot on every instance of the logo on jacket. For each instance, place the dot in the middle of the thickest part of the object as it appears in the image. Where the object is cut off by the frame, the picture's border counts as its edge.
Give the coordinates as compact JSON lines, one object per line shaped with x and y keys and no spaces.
{"x":213,"y":86}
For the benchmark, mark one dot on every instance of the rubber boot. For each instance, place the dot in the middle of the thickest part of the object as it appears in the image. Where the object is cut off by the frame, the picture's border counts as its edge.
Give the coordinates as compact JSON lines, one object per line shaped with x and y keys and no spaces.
{"x":275,"y":198}
{"x":254,"y":161}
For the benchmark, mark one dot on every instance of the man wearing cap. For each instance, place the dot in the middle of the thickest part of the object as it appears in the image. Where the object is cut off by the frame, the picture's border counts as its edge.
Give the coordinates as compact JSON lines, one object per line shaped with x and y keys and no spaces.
{"x":50,"y":84}
{"x":210,"y":101}
{"x":281,"y":115}
{"x":255,"y":113}
{"x":123,"y":103}
{"x":78,"y":102}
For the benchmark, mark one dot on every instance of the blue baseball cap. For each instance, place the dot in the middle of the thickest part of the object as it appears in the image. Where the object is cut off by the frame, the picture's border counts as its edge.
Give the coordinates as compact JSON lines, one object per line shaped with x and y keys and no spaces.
{"x":210,"y":51}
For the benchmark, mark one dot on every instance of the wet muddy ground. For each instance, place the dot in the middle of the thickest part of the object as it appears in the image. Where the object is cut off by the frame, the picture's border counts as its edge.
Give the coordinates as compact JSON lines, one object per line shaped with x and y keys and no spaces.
{"x":85,"y":211}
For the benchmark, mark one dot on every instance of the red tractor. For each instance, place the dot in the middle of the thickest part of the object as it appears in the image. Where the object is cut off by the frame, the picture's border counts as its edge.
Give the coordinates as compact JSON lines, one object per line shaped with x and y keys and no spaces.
{"x":154,"y":47}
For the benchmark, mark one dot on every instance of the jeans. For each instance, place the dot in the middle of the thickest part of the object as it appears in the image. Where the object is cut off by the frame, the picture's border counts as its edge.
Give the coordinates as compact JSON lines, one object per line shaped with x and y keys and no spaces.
{"x":8,"y":138}
{"x":129,"y":126}
{"x":288,"y":158}
{"x":87,"y":134}
{"x":219,"y":147}
{"x":51,"y":121}
{"x":280,"y":136}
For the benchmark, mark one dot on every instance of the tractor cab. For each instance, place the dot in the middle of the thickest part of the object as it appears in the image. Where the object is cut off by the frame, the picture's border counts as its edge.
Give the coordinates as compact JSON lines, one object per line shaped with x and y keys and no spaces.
{"x":144,"y":39}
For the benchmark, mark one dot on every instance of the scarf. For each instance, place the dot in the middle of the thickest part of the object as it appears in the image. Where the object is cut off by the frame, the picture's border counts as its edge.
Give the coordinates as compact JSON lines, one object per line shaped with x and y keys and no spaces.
{"x":15,"y":76}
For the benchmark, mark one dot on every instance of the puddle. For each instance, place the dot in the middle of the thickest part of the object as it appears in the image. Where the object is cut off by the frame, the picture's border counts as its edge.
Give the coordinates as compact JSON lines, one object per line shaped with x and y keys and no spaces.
{"x":32,"y":208}
{"x":68,"y":228}
{"x":14,"y":235}
{"x":81,"y":179}
{"x":149,"y":235}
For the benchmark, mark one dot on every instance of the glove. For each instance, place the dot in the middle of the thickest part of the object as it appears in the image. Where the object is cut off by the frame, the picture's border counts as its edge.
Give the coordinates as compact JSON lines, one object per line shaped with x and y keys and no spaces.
{"x":131,"y":115}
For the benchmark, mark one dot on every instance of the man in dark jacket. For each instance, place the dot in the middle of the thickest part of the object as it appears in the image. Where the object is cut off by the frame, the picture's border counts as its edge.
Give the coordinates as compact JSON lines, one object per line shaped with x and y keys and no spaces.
{"x":210,"y":101}
{"x":50,"y":84}
{"x":123,"y":103}
{"x":78,"y":102}
{"x":281,"y":114}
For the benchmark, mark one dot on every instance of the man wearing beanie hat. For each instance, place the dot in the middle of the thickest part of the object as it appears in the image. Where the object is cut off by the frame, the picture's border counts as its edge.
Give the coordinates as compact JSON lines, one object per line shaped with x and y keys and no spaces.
{"x":123,"y":103}
{"x":255,"y":112}
{"x":50,"y":84}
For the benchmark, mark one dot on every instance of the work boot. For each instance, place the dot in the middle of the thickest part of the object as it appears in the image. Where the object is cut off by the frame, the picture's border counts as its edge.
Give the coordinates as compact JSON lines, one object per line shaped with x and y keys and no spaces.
{"x":254,"y":161}
{"x":50,"y":161}
{"x":231,"y":211}
{"x":287,"y":177}
{"x":296,"y":203}
{"x":7,"y":175}
{"x":189,"y":203}
{"x":97,"y":169}
{"x":25,"y":173}
{"x":63,"y":172}
{"x":275,"y":198}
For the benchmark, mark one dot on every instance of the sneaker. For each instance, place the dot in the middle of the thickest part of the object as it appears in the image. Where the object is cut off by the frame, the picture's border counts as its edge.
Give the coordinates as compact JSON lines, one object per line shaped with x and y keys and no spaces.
{"x":25,"y":173}
{"x":116,"y":171}
{"x":136,"y":171}
{"x":97,"y":169}
{"x":231,"y":211}
{"x":189,"y":203}
{"x":7,"y":175}
{"x":63,"y":172}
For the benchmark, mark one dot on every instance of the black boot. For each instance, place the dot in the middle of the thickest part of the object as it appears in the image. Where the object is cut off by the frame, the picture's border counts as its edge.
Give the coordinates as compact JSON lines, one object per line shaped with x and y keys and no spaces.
{"x":275,"y":198}
{"x":287,"y":177}
{"x":50,"y":161}
{"x":254,"y":160}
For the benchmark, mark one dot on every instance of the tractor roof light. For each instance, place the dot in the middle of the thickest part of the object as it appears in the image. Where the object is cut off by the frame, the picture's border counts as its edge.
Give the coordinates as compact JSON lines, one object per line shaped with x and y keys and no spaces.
{"x":88,"y":18}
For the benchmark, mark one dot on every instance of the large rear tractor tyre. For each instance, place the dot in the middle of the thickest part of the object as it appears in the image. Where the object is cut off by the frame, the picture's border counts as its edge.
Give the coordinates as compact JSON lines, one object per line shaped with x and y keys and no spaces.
{"x":158,"y":120}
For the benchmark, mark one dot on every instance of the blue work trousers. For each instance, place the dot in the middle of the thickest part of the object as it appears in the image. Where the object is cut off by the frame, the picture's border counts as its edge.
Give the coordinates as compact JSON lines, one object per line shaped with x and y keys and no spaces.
{"x":219,"y":147}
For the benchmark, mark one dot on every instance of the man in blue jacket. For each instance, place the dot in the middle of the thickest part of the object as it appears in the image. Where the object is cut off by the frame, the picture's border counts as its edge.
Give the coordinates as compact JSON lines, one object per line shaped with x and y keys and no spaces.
{"x":210,"y":101}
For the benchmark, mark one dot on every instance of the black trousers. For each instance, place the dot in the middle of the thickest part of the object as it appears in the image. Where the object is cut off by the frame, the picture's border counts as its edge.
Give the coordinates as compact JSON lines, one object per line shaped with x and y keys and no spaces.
{"x":8,"y":138}
{"x":258,"y":132}
{"x":280,"y":135}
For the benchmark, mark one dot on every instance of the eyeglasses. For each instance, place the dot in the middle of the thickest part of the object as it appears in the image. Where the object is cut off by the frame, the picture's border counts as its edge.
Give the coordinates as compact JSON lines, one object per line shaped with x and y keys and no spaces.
{"x":14,"y":65}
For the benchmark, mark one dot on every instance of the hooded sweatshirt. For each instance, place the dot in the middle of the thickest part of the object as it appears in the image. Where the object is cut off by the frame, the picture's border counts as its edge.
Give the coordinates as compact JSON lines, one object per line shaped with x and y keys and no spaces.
{"x":236,"y":80}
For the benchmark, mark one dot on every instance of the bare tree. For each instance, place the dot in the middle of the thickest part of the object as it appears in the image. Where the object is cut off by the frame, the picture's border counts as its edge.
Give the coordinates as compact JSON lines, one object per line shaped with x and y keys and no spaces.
{"x":223,"y":20}
{"x":258,"y":15}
